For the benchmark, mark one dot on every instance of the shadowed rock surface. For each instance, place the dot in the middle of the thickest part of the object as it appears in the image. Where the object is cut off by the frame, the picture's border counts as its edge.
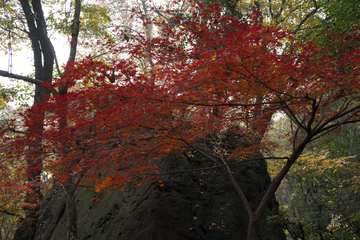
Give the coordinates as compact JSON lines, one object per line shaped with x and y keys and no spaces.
{"x":192,"y":205}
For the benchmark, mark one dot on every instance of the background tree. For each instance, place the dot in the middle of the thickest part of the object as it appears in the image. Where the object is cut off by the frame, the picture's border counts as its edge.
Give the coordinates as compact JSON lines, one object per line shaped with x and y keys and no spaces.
{"x":339,"y":17}
{"x":319,"y":197}
{"x":295,"y":15}
{"x":12,"y":102}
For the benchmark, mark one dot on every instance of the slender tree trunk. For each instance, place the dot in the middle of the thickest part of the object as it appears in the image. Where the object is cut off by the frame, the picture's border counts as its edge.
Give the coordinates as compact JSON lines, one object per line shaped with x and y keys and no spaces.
{"x":252,"y":228}
{"x":70,"y":188}
{"x":43,"y":61}
{"x":255,"y":217}
{"x":70,"y":185}
{"x":44,"y":56}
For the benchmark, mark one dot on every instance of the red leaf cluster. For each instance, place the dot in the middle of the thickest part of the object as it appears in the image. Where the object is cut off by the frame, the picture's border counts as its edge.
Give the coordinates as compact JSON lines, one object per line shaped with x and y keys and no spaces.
{"x":203,"y":75}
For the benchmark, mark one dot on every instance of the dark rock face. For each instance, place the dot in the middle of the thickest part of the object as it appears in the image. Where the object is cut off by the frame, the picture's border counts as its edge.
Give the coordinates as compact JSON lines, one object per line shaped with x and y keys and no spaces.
{"x":192,"y":205}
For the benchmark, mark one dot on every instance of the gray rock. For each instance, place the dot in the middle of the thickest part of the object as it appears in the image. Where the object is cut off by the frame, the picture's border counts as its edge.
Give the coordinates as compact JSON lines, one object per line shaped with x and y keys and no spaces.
{"x":192,"y":205}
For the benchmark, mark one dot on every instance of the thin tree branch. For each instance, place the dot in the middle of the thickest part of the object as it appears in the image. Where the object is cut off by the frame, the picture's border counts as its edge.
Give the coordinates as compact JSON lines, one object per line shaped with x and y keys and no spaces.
{"x":11,"y":214}
{"x":26,"y":79}
{"x":307,"y":16}
{"x":19,"y":77}
{"x":220,"y":166}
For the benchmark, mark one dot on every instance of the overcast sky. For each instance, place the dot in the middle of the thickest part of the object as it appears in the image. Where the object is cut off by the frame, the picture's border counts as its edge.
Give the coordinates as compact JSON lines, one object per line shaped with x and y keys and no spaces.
{"x":22,"y":61}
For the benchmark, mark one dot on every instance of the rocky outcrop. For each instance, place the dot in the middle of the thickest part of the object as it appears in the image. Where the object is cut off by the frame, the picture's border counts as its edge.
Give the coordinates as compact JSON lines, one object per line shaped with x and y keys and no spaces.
{"x":192,"y":205}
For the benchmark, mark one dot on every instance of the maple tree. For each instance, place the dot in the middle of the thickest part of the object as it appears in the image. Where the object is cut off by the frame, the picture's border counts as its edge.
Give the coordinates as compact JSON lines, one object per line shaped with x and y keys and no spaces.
{"x":210,"y":75}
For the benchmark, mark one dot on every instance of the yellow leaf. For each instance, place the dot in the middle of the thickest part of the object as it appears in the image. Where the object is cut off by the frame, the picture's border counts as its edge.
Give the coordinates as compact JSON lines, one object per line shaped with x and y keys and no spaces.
{"x":214,"y":57}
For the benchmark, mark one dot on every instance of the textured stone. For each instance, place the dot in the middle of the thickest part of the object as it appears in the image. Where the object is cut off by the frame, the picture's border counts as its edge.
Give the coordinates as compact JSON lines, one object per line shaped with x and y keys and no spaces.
{"x":192,"y":205}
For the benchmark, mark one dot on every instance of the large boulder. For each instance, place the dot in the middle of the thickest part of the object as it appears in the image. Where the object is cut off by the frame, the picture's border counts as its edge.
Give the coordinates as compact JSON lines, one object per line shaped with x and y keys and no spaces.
{"x":193,"y":204}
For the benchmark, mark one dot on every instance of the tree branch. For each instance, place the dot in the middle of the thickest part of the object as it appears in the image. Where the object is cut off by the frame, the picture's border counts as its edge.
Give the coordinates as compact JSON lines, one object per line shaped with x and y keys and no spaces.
{"x":26,"y":79}
{"x":11,"y":214}
{"x":19,"y":77}
{"x":220,"y":166}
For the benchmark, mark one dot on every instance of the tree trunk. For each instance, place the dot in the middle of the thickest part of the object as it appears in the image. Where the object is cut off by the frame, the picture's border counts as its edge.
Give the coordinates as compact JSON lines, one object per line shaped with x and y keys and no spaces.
{"x":43,"y":61}
{"x":44,"y":57}
{"x":71,"y":185}
{"x":70,"y":188}
{"x":252,"y":228}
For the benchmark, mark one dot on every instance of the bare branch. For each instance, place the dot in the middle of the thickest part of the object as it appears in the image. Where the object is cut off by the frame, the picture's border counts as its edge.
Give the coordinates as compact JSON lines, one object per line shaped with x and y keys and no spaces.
{"x":221,"y":166}
{"x":19,"y":77}
{"x":313,"y":12}
{"x":11,"y":214}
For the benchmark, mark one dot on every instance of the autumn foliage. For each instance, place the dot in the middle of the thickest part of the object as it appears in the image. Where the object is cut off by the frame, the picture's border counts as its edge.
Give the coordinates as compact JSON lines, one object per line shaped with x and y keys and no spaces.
{"x":203,"y":75}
